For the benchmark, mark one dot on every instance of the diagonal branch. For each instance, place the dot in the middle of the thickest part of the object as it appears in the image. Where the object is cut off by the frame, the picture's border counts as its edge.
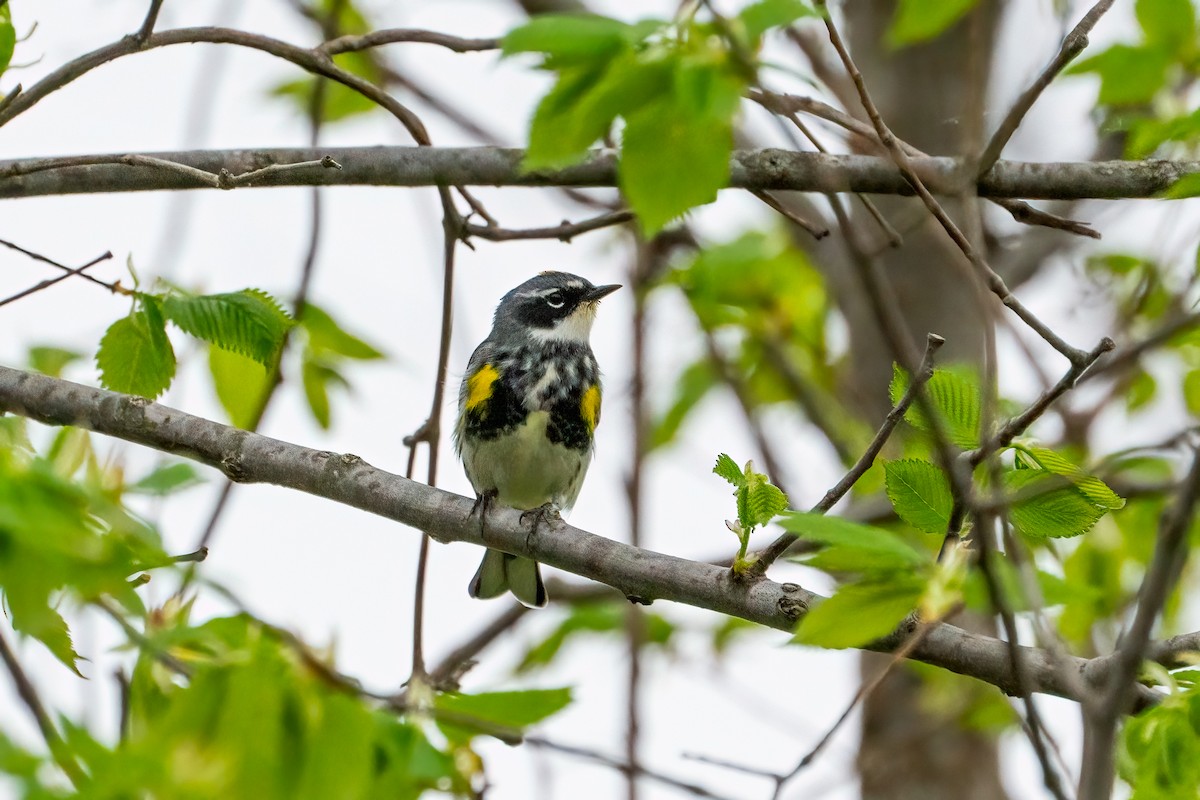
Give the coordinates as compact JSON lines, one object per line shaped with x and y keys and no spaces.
{"x":251,"y":458}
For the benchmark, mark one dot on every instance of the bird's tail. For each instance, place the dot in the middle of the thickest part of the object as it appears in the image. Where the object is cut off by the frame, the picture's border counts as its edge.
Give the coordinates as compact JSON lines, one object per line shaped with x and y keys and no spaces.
{"x":500,"y":572}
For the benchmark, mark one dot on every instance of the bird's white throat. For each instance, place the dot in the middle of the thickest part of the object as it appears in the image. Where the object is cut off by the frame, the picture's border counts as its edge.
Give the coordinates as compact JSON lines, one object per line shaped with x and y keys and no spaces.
{"x":575,"y":327}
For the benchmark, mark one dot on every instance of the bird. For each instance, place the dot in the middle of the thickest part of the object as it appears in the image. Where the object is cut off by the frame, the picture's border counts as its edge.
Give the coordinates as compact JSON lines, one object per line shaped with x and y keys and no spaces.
{"x":528,"y":408}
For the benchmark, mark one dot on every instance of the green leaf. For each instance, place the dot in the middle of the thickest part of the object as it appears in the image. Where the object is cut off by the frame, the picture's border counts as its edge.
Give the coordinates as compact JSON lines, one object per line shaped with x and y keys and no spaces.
{"x":920,"y":494}
{"x":317,"y":377}
{"x":675,"y":151}
{"x":1170,"y":24}
{"x":1091,"y":487}
{"x":240,"y":383}
{"x":1049,"y":512}
{"x":135,"y":355}
{"x":325,"y":335}
{"x":954,"y":395}
{"x":8,"y":37}
{"x":51,"y":360}
{"x":859,"y":613}
{"x":759,"y":502}
{"x":1187,"y":186}
{"x":692,"y":386}
{"x":1142,"y":388}
{"x":728,"y":469}
{"x":1191,"y":391}
{"x":758,"y":18}
{"x":516,"y":709}
{"x":922,"y":20}
{"x":250,"y":322}
{"x":338,"y":102}
{"x":594,"y":618}
{"x":568,"y":38}
{"x":852,"y":546}
{"x":1129,"y":75}
{"x":167,"y":479}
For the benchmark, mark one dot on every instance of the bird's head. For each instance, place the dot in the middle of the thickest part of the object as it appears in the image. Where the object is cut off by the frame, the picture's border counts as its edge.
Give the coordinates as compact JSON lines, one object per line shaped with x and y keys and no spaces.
{"x":553,"y":306}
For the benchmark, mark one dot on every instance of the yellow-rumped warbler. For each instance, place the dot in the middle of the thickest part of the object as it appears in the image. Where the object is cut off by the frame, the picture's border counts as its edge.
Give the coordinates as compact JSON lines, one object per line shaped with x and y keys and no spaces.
{"x":527,"y":409}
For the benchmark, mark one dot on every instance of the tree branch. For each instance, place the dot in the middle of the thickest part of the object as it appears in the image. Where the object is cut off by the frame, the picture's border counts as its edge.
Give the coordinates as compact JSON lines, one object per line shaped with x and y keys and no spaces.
{"x":765,"y":169}
{"x":251,"y":458}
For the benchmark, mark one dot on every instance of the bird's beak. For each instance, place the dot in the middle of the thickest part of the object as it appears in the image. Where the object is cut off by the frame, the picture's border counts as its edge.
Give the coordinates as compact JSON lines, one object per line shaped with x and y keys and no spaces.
{"x":600,"y":292}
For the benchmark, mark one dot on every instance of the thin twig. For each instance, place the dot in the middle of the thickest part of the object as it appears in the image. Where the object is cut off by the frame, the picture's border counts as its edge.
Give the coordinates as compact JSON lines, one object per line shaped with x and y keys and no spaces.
{"x":1072,"y":45}
{"x":765,"y":558}
{"x":817,"y":231}
{"x":352,"y":43}
{"x":1101,"y":714}
{"x":148,"y":24}
{"x":28,"y":694}
{"x":1018,"y":424}
{"x":863,"y":691}
{"x":621,"y":766}
{"x":116,"y":288}
{"x":993,"y":280}
{"x":57,"y":279}
{"x":564,"y":232}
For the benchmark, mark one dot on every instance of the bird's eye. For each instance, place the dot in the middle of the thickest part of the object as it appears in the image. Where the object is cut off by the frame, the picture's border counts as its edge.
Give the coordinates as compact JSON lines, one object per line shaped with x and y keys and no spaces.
{"x":554,"y":299}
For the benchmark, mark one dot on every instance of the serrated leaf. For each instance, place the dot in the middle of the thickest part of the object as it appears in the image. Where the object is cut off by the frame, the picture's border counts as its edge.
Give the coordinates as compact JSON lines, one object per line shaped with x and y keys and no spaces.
{"x":135,"y":356}
{"x":859,"y":613}
{"x":240,"y":383}
{"x":955,"y":397}
{"x":922,"y":20}
{"x":852,"y":546}
{"x":763,"y":502}
{"x":920,"y":493}
{"x":1090,"y":486}
{"x":728,"y":469}
{"x":250,"y":322}
{"x":167,"y":479}
{"x":1054,"y":513}
{"x":325,"y":335}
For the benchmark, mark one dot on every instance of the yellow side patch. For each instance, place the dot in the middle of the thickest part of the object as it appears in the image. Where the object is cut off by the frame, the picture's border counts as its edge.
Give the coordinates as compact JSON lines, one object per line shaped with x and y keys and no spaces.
{"x":479,"y":386}
{"x":589,"y":407}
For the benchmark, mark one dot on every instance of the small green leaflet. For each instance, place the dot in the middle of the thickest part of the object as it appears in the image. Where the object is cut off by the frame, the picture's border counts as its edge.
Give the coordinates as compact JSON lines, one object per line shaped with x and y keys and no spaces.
{"x":50,"y":360}
{"x":920,"y":494}
{"x":250,"y":322}
{"x":167,"y":480}
{"x":135,"y":356}
{"x":953,"y":393}
{"x":1091,"y":487}
{"x":1049,"y":509}
{"x":8,"y":37}
{"x":758,"y":18}
{"x":514,"y":710}
{"x":860,"y":613}
{"x":922,"y":20}
{"x":758,"y":500}
{"x":852,"y":546}
{"x":240,"y":383}
{"x":594,"y":618}
{"x":325,"y":335}
{"x":676,"y":90}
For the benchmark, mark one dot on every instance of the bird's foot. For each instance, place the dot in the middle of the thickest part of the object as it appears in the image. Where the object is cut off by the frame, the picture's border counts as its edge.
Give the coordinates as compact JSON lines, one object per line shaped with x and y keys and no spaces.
{"x":484,"y":502}
{"x":546,"y":514}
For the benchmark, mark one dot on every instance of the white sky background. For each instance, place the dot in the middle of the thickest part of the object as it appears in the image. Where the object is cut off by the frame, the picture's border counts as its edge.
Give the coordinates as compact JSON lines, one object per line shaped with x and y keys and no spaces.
{"x":338,"y":575}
